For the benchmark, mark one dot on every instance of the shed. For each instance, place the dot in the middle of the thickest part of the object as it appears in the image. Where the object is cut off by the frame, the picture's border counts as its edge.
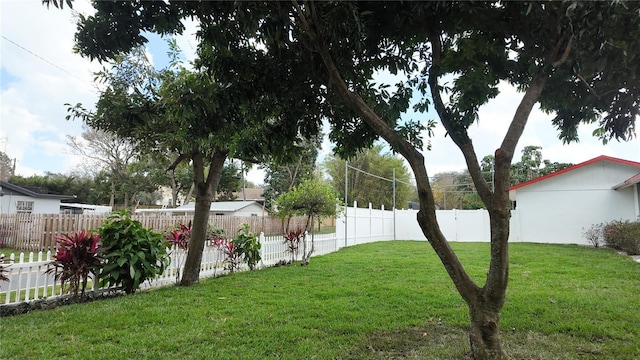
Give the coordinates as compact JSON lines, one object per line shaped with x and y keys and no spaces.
{"x":558,"y":207}
{"x":228,"y":208}
{"x":18,"y":200}
{"x":76,"y":208}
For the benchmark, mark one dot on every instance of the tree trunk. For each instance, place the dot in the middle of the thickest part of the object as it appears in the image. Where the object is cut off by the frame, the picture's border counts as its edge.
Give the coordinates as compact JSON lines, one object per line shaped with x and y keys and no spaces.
{"x":484,"y":334}
{"x":112,"y":199}
{"x":205,"y":190}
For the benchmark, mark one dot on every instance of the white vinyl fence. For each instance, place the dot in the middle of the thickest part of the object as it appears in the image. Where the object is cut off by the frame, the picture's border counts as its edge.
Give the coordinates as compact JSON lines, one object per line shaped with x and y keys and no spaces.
{"x":29,"y":281}
{"x":365,"y":225}
{"x":359,"y":226}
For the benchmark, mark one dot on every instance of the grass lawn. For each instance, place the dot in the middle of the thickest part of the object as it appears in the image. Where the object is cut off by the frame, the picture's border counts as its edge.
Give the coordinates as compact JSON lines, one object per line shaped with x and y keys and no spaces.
{"x":388,"y":300}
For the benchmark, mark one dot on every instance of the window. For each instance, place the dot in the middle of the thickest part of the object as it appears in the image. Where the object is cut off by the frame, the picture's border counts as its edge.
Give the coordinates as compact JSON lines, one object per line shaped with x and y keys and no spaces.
{"x":24,"y":207}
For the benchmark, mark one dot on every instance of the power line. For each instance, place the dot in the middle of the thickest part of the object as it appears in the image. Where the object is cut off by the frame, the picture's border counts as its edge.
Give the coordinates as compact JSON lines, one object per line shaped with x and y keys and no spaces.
{"x":378,"y":177}
{"x":41,"y":58}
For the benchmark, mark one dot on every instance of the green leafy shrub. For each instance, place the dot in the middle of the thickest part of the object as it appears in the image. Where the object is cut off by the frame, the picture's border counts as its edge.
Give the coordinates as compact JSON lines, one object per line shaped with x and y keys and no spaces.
{"x":623,"y":235}
{"x":132,"y":253}
{"x":76,"y":257}
{"x":247,"y":246}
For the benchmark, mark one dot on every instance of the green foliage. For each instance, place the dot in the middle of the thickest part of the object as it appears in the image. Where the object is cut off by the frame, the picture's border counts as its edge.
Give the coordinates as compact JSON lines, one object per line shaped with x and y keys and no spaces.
{"x":366,"y":189}
{"x":313,"y":198}
{"x":623,"y":235}
{"x":455,"y":190}
{"x":282,"y":177}
{"x":530,"y":165}
{"x":230,"y":182}
{"x":132,"y":253}
{"x":247,"y":246}
{"x":77,"y":256}
{"x":82,"y":187}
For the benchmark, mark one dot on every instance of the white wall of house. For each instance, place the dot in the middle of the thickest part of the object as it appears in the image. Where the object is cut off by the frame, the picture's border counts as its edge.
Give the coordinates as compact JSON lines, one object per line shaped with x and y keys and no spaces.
{"x":251,"y":210}
{"x":558,"y":209}
{"x":40,"y":206}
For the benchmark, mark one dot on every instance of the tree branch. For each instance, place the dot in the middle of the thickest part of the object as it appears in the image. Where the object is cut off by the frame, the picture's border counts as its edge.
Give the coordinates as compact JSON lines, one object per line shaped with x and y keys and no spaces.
{"x":463,"y":141}
{"x":427,"y":214}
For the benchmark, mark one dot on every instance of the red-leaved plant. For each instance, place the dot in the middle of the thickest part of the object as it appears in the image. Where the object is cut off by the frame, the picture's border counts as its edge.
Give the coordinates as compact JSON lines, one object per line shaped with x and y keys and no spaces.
{"x":292,"y":240}
{"x":3,"y":269}
{"x":219,"y":242}
{"x":76,"y":257}
{"x":232,"y":257}
{"x":180,"y":238}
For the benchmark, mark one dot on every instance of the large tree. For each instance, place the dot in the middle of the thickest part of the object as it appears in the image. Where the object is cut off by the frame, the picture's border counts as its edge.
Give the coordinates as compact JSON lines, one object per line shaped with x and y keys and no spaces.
{"x":204,"y":115}
{"x":61,"y":184}
{"x":281,"y":178}
{"x":7,"y":169}
{"x":106,"y":151}
{"x":577,"y":60}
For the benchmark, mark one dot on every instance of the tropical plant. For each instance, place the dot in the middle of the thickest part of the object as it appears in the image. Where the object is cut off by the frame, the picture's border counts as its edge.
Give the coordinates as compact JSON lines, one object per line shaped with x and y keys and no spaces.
{"x":312,"y":198}
{"x":3,"y":268}
{"x":179,"y":239}
{"x":132,"y":253}
{"x":232,"y":257}
{"x":216,"y":238}
{"x":292,"y":240}
{"x":247,"y":246}
{"x":77,"y":256}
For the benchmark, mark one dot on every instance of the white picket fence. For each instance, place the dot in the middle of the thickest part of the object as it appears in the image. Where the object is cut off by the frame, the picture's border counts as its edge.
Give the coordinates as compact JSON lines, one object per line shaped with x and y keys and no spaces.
{"x":29,"y":280}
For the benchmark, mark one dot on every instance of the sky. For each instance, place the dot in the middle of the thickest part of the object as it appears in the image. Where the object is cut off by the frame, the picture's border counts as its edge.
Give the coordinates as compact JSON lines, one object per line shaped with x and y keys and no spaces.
{"x":39,"y":73}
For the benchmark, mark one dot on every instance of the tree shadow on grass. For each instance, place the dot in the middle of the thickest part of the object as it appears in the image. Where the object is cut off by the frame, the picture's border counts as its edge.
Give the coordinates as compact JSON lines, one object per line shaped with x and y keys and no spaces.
{"x":447,"y":342}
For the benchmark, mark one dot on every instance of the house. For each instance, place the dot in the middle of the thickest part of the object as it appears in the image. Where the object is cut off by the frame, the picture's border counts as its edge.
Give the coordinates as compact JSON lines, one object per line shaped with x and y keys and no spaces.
{"x":228,"y":208}
{"x":558,"y":207}
{"x":15,"y":199}
{"x":75,"y":208}
{"x":250,"y":194}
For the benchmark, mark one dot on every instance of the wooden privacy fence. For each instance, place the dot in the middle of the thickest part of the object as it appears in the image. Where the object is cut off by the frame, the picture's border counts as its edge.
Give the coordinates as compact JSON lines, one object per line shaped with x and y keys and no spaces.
{"x":35,"y":232}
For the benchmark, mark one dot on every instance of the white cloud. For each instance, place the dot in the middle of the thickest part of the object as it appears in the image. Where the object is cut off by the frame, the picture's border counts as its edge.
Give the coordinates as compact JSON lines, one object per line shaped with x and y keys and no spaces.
{"x":41,"y":74}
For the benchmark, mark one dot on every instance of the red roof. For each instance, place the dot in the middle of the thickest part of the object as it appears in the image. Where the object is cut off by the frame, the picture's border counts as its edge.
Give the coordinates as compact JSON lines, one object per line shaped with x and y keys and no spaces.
{"x":575,"y":167}
{"x":630,"y":181}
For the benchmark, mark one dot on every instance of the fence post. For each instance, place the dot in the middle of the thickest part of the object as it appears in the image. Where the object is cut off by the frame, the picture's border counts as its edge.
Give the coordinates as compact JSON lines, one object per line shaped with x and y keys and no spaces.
{"x":370,"y":222}
{"x":262,"y":248}
{"x":355,"y":223}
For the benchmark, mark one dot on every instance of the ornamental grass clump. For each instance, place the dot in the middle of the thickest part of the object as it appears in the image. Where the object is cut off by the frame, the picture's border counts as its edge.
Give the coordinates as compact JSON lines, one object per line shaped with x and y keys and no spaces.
{"x":77,"y":256}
